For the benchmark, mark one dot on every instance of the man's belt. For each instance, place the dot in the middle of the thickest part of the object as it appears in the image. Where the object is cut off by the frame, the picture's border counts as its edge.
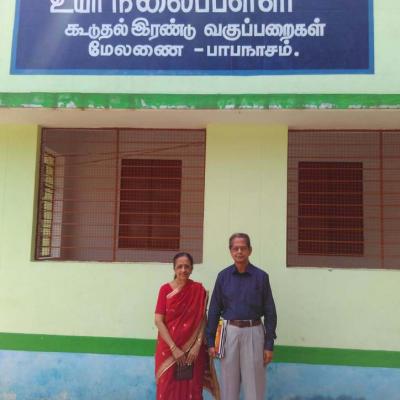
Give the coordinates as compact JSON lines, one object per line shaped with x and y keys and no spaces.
{"x":244,"y":323}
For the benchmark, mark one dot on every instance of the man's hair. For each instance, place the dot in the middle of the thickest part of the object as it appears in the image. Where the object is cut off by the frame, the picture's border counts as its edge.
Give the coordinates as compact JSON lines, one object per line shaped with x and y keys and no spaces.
{"x":240,"y":235}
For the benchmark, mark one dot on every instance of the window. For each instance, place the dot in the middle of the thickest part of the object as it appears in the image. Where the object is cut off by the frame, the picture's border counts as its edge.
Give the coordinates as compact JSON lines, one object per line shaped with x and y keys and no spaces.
{"x":121,"y":195}
{"x":150,"y":204}
{"x":330,"y":208}
{"x":343,"y":199}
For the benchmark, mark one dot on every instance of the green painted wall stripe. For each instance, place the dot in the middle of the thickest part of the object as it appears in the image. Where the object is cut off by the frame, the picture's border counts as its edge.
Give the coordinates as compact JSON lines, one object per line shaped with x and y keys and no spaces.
{"x":145,"y":347}
{"x":76,"y":344}
{"x":199,"y":101}
{"x":327,"y":356}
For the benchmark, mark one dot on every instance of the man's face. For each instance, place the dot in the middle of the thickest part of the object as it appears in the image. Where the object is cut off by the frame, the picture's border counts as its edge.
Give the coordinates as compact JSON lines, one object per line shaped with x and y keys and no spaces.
{"x":240,"y":252}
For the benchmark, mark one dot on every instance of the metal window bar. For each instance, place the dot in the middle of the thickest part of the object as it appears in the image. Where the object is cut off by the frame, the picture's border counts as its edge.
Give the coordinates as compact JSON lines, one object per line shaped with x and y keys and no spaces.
{"x":47,"y":205}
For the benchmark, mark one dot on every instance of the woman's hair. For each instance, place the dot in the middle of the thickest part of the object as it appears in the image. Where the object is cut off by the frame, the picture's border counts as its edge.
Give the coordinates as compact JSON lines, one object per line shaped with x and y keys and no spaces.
{"x":240,"y":235}
{"x":182,"y":254}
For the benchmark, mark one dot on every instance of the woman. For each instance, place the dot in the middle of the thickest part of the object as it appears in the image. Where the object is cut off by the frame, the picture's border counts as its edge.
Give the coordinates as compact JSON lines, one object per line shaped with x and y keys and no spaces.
{"x":180,"y":319}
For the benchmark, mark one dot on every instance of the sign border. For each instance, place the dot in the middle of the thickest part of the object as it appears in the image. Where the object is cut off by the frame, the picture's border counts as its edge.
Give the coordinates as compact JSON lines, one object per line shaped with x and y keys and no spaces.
{"x":194,"y":72}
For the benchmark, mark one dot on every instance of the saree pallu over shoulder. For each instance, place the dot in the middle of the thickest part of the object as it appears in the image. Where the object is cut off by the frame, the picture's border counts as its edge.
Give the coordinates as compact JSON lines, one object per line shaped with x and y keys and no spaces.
{"x":184,"y":318}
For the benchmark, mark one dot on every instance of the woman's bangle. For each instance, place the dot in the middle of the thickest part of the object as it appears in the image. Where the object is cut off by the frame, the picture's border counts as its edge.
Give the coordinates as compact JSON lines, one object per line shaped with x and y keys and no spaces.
{"x":173,"y":347}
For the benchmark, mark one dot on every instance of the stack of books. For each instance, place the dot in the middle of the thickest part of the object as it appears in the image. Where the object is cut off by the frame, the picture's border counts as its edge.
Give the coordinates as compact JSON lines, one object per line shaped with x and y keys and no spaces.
{"x":220,"y":337}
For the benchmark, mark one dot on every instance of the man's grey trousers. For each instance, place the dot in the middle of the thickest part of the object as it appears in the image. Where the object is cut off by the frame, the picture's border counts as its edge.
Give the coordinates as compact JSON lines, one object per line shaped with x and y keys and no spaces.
{"x":243,"y":363}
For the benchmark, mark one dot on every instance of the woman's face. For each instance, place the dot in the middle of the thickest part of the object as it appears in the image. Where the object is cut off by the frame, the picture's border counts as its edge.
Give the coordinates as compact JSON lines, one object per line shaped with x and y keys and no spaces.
{"x":183,"y":268}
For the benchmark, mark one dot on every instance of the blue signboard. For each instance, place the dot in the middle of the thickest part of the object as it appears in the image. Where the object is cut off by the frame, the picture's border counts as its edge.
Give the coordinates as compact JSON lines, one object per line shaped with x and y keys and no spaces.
{"x":193,"y":37}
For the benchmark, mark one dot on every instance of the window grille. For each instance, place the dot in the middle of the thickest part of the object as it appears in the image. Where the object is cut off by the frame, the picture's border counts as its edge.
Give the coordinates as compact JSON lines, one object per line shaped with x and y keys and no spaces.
{"x":343,"y":199}
{"x":46,"y":209}
{"x":122,"y":194}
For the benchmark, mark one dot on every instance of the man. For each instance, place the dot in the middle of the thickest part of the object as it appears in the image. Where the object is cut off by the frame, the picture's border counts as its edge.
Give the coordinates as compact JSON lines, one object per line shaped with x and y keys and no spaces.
{"x":242,"y":295}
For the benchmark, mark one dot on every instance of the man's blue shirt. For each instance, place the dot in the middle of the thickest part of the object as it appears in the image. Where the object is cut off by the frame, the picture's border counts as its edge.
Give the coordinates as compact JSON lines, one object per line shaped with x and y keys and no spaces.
{"x":243,"y":296}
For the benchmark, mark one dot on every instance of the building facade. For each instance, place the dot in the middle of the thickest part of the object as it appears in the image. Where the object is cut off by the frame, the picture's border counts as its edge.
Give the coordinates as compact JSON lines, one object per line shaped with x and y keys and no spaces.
{"x":303,"y":157}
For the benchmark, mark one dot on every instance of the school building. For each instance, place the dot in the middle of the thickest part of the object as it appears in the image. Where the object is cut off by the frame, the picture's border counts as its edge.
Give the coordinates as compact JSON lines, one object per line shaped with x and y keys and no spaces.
{"x":133,"y":130}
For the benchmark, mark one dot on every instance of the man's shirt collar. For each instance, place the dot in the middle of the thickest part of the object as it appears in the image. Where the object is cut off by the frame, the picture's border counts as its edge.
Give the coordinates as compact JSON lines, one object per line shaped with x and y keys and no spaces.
{"x":248,"y":271}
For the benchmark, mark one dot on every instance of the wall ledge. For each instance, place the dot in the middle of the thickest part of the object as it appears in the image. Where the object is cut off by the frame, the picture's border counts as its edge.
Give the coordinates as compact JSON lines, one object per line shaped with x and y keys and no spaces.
{"x":199,"y":101}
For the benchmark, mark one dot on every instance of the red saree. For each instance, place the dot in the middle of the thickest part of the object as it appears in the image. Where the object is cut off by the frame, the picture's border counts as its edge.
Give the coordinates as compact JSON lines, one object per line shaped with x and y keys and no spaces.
{"x":184,"y":312}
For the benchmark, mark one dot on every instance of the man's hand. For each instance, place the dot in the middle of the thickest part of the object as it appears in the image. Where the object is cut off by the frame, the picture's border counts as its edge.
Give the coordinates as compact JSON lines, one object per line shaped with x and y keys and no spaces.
{"x":211,"y":352}
{"x":268,"y":356}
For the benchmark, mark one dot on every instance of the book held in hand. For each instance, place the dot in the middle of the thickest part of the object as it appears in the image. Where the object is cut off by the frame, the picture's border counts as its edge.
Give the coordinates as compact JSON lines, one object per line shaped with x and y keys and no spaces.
{"x":220,"y":337}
